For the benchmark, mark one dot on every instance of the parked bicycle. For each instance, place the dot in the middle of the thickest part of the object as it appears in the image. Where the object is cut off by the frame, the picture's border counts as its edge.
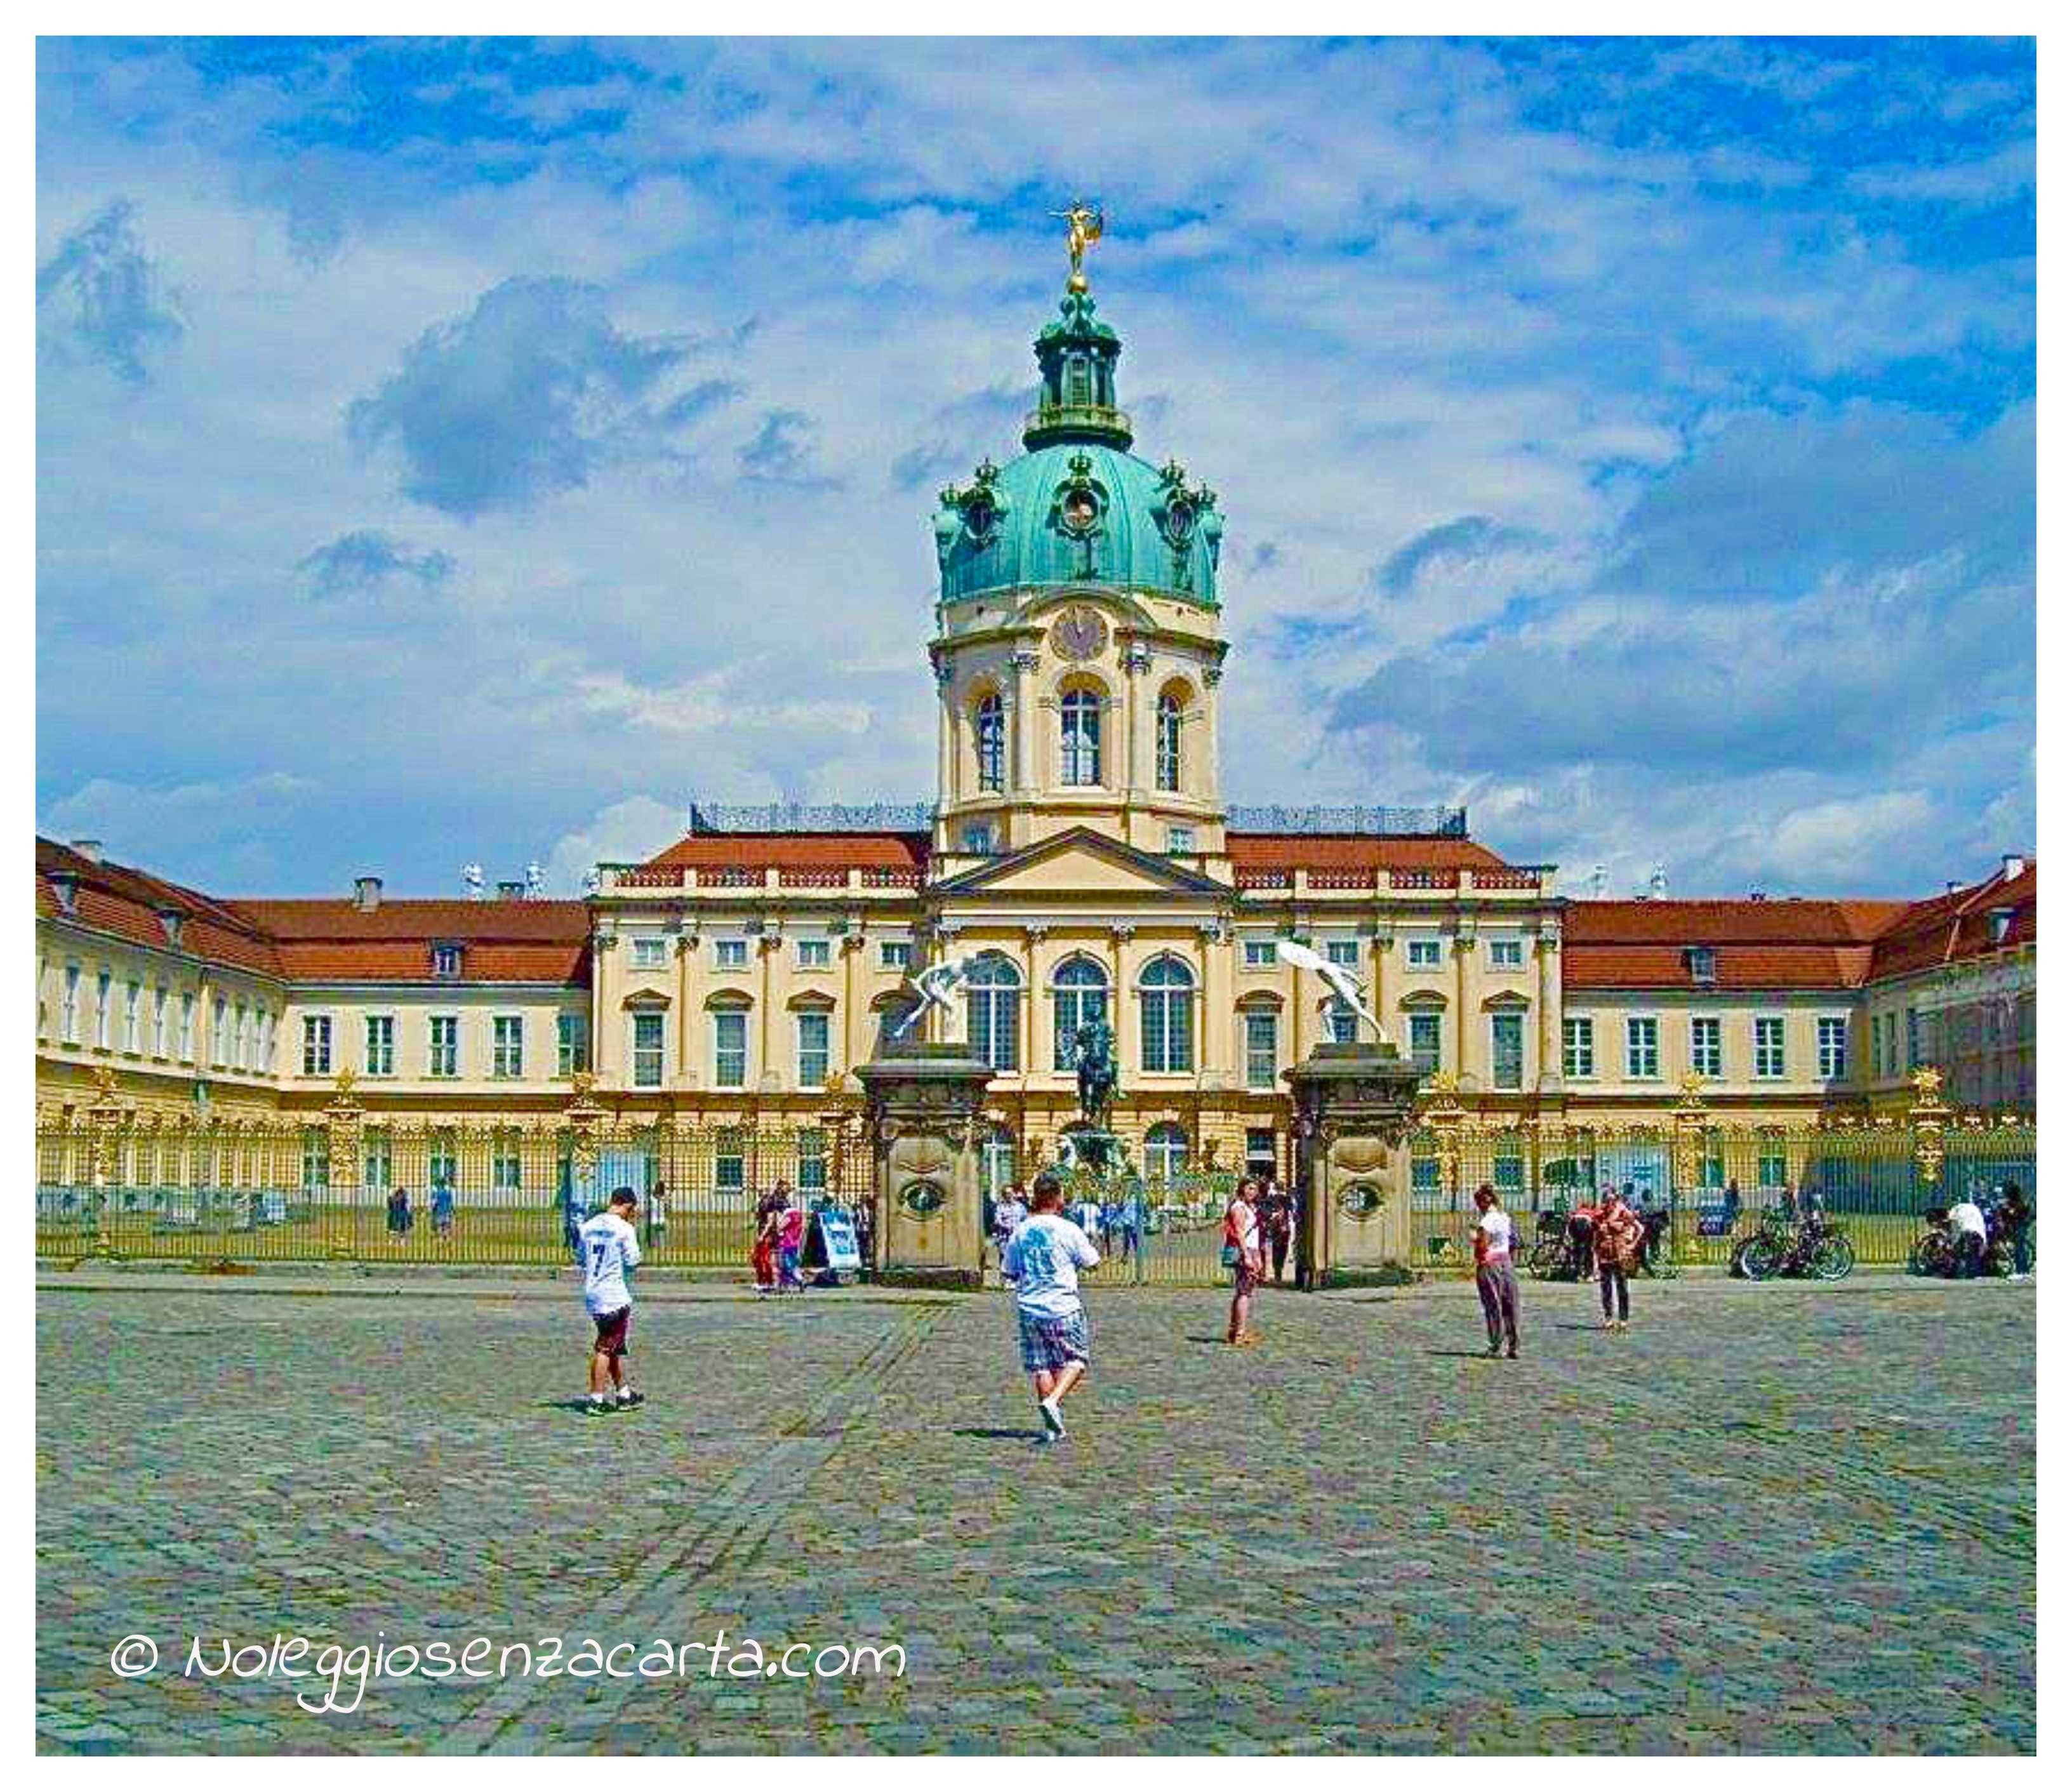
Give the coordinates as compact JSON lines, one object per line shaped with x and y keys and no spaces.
{"x":1812,"y":1246}
{"x":1935,"y":1251}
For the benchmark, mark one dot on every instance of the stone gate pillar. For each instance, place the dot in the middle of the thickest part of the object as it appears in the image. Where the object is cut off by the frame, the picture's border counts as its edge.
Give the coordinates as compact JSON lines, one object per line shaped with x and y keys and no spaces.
{"x":1354,"y":1105}
{"x":922,"y":1108}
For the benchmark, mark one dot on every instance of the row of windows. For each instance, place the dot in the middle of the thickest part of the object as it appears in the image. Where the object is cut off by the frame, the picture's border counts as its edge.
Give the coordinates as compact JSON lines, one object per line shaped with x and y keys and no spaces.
{"x":1419,"y":955}
{"x":1080,"y":740}
{"x":1643,"y":1046}
{"x":651,"y":952}
{"x":138,"y":1021}
{"x":442,"y":1044}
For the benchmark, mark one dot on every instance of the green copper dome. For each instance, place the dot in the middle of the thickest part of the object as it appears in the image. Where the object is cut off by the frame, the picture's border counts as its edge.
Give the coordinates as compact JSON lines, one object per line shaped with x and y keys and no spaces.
{"x":1079,"y":507}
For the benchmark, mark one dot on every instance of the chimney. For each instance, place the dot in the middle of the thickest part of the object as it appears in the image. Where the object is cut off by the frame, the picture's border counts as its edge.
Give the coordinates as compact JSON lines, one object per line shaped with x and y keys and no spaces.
{"x":366,"y":894}
{"x":510,"y":889}
{"x":2013,"y":864}
{"x":1758,"y":895}
{"x":90,"y":850}
{"x":1951,"y":886}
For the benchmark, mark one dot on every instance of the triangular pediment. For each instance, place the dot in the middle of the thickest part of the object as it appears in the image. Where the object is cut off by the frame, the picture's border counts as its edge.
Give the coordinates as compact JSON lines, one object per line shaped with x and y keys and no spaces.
{"x":1080,"y":860}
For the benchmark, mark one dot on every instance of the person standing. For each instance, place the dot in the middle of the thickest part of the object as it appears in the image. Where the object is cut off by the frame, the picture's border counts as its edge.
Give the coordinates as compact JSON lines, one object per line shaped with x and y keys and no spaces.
{"x":1242,"y":1255}
{"x":763,"y":1249}
{"x":1494,"y":1280}
{"x":2015,"y":1220}
{"x":658,"y":1217}
{"x":442,"y":1209}
{"x":1277,"y":1215}
{"x":609,"y":1252}
{"x":1008,"y":1211}
{"x":791,"y":1240}
{"x":1967,"y":1231}
{"x":1617,"y":1238}
{"x":399,"y":1210}
{"x":1041,"y":1260}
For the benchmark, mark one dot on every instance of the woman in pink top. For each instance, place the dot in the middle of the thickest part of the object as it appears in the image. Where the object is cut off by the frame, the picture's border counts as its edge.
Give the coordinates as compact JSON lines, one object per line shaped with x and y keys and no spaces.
{"x":790,"y":1237}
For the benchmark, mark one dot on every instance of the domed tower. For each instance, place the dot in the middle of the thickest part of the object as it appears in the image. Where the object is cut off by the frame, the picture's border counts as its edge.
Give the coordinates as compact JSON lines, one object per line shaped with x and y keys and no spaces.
{"x":1078,"y":642}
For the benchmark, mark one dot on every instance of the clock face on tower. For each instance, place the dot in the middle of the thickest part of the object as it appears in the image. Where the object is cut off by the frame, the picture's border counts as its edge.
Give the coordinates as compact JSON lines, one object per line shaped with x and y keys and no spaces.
{"x":1079,"y":633}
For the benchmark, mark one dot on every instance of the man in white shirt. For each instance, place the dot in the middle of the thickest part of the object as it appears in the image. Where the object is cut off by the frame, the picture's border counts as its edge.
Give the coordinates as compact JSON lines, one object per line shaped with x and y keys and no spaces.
{"x":609,"y":1251}
{"x":1967,"y":1231}
{"x":1042,"y":1260}
{"x":1008,"y":1212}
{"x":1495,"y":1281}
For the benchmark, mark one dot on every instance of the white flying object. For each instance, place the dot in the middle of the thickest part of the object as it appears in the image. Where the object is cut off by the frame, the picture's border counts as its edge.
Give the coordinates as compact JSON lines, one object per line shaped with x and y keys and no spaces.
{"x":933,"y":986}
{"x":1343,"y":984}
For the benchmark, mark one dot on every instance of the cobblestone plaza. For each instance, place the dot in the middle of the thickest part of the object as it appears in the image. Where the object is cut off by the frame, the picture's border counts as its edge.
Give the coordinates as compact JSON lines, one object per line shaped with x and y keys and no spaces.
{"x":1778,"y":1519}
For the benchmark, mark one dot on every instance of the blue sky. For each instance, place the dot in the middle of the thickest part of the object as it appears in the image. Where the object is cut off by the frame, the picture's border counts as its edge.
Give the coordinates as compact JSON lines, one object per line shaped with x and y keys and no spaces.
{"x":453,"y":452}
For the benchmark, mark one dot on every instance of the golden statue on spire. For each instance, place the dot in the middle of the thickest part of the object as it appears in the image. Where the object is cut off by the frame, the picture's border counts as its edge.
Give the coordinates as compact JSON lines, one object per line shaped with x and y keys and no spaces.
{"x":1083,"y":226}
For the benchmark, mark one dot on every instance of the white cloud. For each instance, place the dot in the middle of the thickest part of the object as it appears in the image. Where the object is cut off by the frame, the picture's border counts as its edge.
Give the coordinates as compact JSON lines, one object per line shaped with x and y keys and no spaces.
{"x":629,"y":831}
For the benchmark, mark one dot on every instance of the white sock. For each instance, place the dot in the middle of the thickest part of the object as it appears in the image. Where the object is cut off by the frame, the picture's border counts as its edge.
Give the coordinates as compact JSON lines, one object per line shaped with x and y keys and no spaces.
{"x":596,"y":1400}
{"x":625,"y":1394}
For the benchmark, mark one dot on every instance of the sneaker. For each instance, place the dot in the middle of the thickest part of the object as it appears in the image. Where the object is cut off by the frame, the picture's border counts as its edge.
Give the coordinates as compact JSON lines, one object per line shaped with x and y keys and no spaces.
{"x":596,"y":1409}
{"x":1494,"y":1351}
{"x":1053,"y":1420}
{"x":1611,"y":1325}
{"x":629,"y":1397}
{"x":1512,"y":1353}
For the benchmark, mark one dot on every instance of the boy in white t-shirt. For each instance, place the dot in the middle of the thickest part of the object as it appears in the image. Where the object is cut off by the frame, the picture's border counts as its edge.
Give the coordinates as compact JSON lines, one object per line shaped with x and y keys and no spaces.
{"x":1043,"y":1261}
{"x":609,"y":1251}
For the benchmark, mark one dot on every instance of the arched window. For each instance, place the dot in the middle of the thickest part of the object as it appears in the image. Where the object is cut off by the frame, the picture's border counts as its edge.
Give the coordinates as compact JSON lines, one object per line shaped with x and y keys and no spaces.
{"x":1168,"y":741}
{"x":1080,"y":994}
{"x":992,"y":1007}
{"x":1080,"y":716}
{"x":989,"y":731}
{"x":996,"y":1161}
{"x":1165,"y":1152}
{"x":1167,"y":993}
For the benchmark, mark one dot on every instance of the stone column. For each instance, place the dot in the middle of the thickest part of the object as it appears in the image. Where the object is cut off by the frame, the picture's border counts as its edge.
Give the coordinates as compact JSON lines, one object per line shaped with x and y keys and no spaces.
{"x":1354,"y":1105}
{"x":1211,"y":786}
{"x":1024,"y":663}
{"x":1550,"y":1009}
{"x":924,"y":1111}
{"x":1135,"y":663}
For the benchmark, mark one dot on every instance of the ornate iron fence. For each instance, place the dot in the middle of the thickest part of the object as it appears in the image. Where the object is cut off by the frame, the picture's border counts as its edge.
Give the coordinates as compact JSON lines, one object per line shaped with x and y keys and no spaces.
{"x":365,"y":1188}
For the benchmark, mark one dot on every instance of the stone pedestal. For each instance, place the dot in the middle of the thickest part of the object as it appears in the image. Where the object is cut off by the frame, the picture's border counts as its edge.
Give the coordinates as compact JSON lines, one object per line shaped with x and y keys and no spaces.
{"x":922,"y":1107}
{"x":1354,"y":1106}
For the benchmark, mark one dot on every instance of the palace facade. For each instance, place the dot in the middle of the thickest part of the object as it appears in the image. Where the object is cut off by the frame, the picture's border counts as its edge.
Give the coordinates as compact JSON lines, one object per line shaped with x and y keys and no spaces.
{"x":1079,"y":852}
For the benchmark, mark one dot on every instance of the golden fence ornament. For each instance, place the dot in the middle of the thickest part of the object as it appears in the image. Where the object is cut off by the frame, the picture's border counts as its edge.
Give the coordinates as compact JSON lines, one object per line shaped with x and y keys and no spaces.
{"x":1929,"y":1115}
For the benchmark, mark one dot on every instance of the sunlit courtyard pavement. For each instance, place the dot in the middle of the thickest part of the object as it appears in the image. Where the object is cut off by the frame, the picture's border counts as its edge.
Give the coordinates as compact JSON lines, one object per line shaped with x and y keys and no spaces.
{"x":1774,"y":1519}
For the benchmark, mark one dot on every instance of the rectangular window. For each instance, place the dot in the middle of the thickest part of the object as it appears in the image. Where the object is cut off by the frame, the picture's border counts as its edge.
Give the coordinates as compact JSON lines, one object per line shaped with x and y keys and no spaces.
{"x":506,"y":1170}
{"x":219,"y":1033}
{"x":186,"y":1027}
{"x":1913,"y":1038}
{"x":1769,"y":1170}
{"x":812,"y":1050}
{"x":1179,"y":840}
{"x":1579,"y":1047}
{"x":159,"y":1007}
{"x":104,"y":983}
{"x":1707,"y":1058}
{"x":445,"y":961}
{"x":1343,"y":952}
{"x":1507,"y":1050}
{"x":1643,"y":1046}
{"x":242,"y":1033}
{"x":133,"y":1021}
{"x":379,"y":1163}
{"x":1426,"y":1193}
{"x":445,"y":1045}
{"x":648,"y":1050}
{"x":1344,"y":1024}
{"x":1506,"y":955}
{"x":381,"y":1045}
{"x":731,"y":955}
{"x":1423,"y":955}
{"x":316,"y":1045}
{"x":1770,"y":1044}
{"x":507,"y":1045}
{"x":815,"y":955}
{"x":1424,"y":1039}
{"x":978,"y":838}
{"x":731,"y":1048}
{"x":316,"y":1160}
{"x":571,"y":1044}
{"x":1260,"y":1154}
{"x":813,"y":1162}
{"x":69,"y":1032}
{"x":894,"y":954}
{"x":650,"y":953}
{"x":1259,"y":955}
{"x":729,"y":1163}
{"x":442,"y":1162}
{"x":1509,"y":1175}
{"x":1834,"y":1036}
{"x":1262,"y":1049}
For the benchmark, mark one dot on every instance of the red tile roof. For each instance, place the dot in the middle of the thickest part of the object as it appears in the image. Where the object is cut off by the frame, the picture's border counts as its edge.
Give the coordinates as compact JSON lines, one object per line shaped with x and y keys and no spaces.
{"x":800,"y":852}
{"x":120,"y":900}
{"x":1949,"y":928}
{"x":1356,"y":852}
